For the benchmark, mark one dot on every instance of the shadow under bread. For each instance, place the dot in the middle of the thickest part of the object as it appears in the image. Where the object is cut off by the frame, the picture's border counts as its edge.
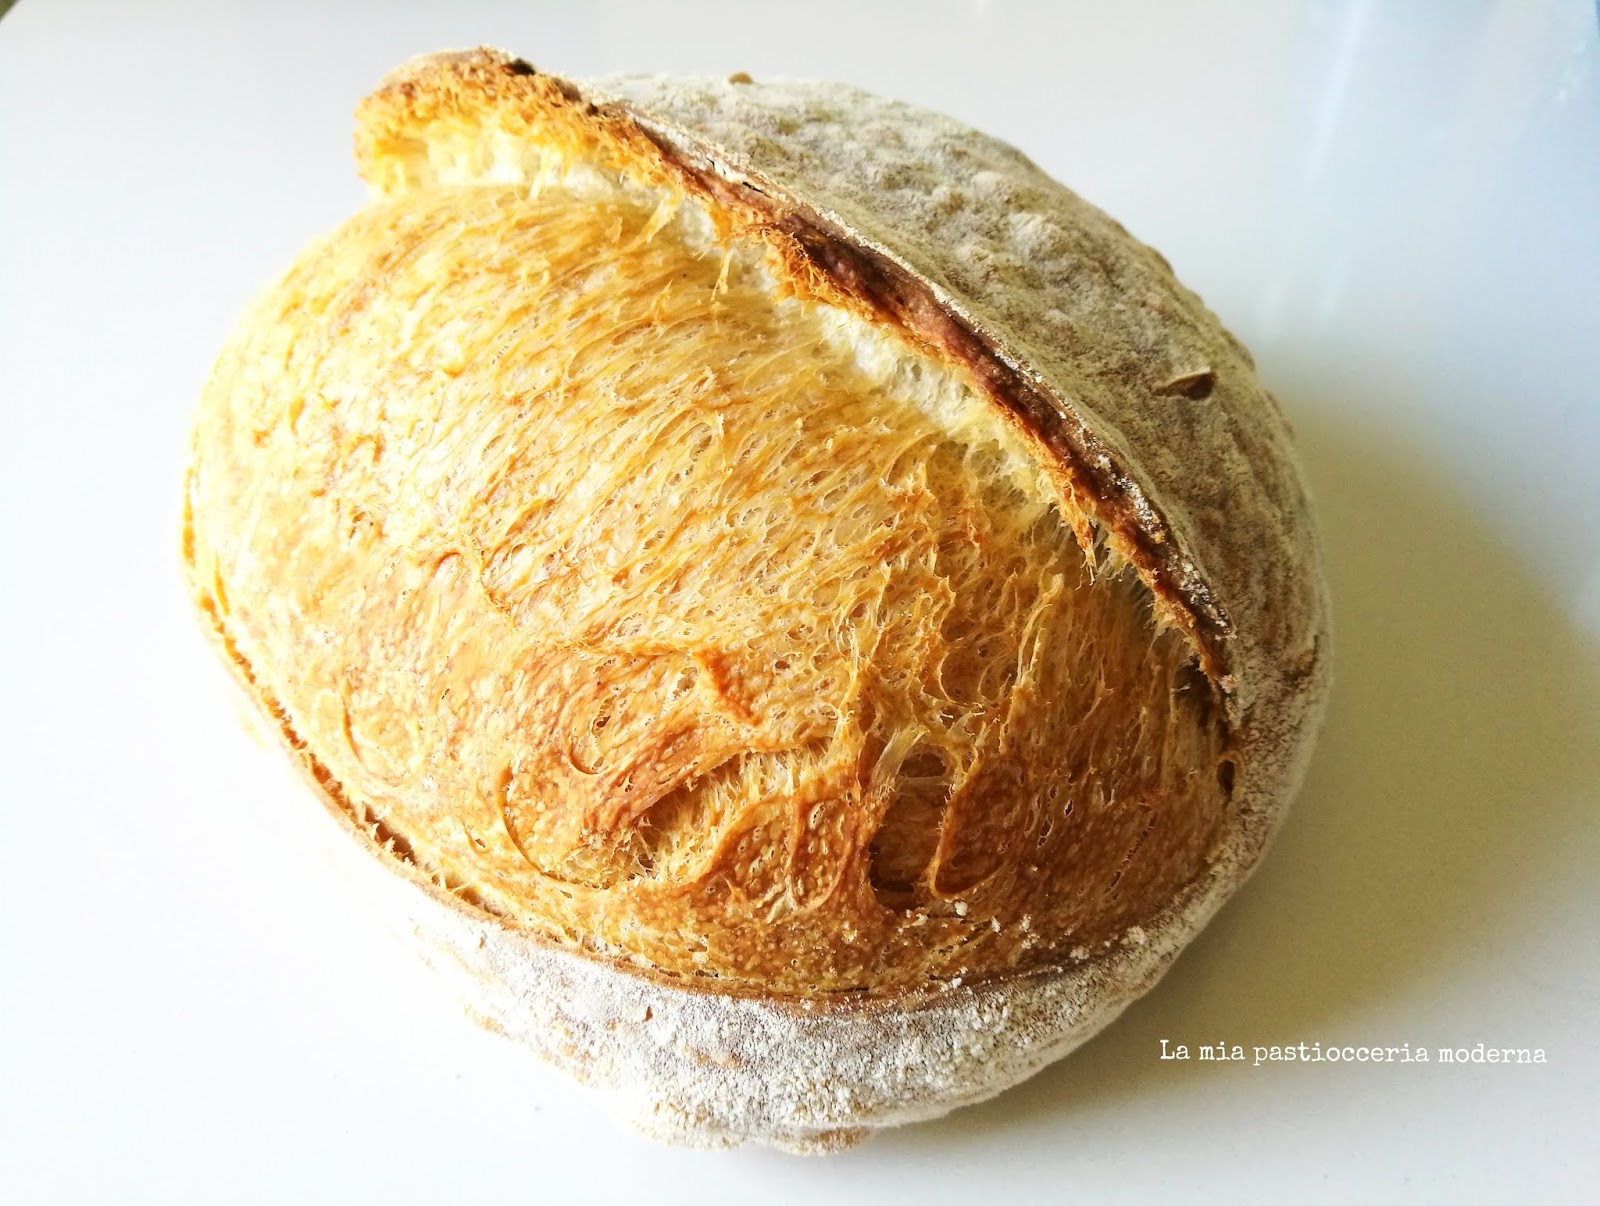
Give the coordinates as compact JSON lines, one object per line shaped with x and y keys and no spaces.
{"x":1459,"y":744}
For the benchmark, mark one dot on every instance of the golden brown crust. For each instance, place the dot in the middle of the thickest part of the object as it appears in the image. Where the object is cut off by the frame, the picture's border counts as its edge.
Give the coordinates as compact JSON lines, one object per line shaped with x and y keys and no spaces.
{"x":1087,"y":403}
{"x":641,"y":610}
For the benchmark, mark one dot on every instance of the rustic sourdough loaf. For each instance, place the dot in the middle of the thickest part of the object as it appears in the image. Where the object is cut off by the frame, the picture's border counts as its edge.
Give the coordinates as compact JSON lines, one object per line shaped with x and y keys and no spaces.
{"x":803,"y":614}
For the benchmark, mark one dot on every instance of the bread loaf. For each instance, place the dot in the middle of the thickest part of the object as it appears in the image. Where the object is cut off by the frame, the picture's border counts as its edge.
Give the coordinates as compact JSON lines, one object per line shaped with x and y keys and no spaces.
{"x":805,"y":615}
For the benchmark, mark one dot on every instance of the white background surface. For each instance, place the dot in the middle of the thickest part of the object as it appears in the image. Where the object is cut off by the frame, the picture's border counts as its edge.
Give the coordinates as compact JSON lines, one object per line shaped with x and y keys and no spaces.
{"x":1397,"y":206}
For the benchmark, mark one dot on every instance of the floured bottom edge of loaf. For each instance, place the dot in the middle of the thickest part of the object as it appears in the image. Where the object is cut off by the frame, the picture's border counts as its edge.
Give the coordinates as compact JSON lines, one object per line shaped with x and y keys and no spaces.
{"x":703,"y":1069}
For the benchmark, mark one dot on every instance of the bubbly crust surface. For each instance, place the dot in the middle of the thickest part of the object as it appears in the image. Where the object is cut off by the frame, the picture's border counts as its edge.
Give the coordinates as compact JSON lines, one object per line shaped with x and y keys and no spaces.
{"x":674,"y":619}
{"x":1163,"y":452}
